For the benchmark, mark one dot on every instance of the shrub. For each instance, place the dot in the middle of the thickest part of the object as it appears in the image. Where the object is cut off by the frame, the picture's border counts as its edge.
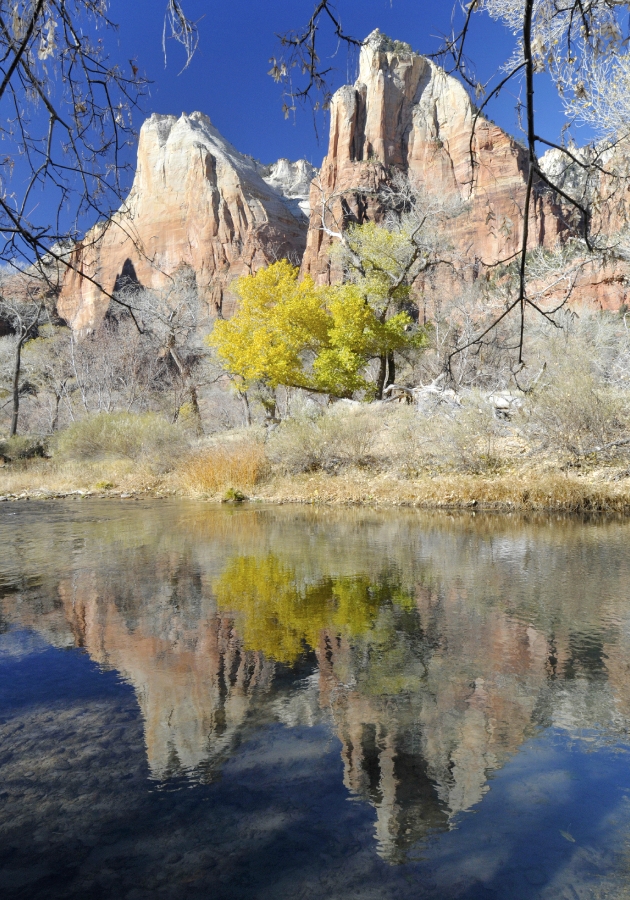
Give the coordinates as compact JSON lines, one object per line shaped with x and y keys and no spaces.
{"x":233,"y":496}
{"x":148,"y":438}
{"x":462,"y":438}
{"x":340,"y":437}
{"x":468,"y":440}
{"x":22,"y":447}
{"x":228,"y":468}
{"x":577,"y":414}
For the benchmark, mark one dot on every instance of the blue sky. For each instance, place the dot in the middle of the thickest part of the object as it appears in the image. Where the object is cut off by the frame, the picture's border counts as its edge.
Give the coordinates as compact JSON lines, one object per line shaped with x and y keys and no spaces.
{"x":227,"y":78}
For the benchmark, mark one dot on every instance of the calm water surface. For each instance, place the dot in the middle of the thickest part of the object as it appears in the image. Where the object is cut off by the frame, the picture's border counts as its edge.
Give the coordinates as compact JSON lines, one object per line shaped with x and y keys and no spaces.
{"x":201,"y":702}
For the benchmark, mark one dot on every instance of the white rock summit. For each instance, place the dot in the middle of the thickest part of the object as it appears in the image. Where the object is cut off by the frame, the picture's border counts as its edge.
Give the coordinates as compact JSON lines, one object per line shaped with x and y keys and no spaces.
{"x":195,"y":201}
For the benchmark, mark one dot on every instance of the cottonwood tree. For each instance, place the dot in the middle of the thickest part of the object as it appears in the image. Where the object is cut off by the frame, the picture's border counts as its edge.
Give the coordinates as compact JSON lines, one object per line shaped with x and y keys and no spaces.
{"x":385,"y":261}
{"x":294,"y":334}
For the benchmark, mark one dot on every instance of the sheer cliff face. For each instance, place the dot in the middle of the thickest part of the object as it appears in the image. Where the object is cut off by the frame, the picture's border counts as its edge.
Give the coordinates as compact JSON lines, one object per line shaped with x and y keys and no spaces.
{"x":195,"y":201}
{"x":407,"y":113}
{"x":606,"y":193}
{"x":198,"y":202}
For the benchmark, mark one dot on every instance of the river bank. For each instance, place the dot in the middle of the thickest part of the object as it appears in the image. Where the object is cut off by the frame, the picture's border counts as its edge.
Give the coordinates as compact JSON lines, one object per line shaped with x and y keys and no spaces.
{"x":521,"y":487}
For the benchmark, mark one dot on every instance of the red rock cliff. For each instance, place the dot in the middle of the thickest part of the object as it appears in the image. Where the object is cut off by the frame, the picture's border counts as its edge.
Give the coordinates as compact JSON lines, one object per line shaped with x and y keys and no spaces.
{"x":195,"y":201}
{"x":406,"y":112}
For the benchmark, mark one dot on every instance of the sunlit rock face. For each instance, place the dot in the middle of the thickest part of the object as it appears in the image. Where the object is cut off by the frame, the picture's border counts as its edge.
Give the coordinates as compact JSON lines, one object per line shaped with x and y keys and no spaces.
{"x":196,"y":202}
{"x":406,"y":112}
{"x":604,"y":189}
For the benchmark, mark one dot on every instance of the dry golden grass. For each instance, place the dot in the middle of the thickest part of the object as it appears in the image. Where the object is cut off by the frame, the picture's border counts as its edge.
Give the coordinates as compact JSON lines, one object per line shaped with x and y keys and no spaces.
{"x":47,"y":476}
{"x":239,"y":465}
{"x":524,"y":489}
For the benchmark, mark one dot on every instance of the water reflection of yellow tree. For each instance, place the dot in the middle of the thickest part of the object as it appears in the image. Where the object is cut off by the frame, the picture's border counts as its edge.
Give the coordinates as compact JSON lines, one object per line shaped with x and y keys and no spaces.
{"x":416,"y":735}
{"x":428,"y":697}
{"x":282,"y":616}
{"x":422,"y":720}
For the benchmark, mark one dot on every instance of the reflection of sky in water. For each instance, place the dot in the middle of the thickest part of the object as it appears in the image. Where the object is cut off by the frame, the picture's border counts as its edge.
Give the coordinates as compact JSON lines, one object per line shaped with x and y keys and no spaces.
{"x":449,"y":731}
{"x":15,"y":644}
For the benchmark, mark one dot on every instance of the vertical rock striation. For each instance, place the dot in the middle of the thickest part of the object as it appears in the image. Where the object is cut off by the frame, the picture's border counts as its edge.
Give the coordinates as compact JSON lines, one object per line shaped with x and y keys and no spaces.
{"x":197,"y":202}
{"x":404,"y":112}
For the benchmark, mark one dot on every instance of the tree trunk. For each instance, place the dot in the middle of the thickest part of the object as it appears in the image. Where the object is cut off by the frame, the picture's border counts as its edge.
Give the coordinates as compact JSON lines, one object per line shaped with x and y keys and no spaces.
{"x":190,"y":387}
{"x":391,"y":369}
{"x":382,"y":375}
{"x":194,"y":401}
{"x":55,"y":422}
{"x":242,"y":396}
{"x":16,"y":387}
{"x":271,"y":408}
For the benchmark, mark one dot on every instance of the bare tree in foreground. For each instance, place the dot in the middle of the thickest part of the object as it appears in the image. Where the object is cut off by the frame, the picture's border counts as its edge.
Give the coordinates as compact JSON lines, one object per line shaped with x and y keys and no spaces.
{"x":23,"y":318}
{"x":173,"y":319}
{"x":66,"y":124}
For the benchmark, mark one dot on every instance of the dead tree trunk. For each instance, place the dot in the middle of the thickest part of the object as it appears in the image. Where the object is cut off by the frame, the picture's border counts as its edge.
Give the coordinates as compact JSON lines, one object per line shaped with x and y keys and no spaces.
{"x":190,"y":387}
{"x":16,"y":386}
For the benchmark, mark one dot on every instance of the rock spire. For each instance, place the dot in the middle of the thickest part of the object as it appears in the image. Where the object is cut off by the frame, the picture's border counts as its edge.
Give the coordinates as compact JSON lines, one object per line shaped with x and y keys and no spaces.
{"x":197,"y":202}
{"x":405,"y":112}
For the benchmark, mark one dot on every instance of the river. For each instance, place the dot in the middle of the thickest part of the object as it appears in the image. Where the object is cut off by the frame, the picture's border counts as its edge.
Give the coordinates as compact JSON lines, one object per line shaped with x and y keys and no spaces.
{"x":300,"y":702}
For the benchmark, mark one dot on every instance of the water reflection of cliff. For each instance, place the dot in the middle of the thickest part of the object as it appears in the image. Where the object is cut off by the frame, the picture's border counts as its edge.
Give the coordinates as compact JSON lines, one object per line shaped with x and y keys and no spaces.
{"x":427,"y":709}
{"x":434,"y":647}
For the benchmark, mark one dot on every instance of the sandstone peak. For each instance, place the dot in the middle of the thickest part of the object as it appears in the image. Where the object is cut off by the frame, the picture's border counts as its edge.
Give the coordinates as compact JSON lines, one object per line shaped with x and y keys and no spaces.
{"x":293,"y":181}
{"x":407,"y":113}
{"x":195,"y":201}
{"x":406,"y":95}
{"x":377,"y":42}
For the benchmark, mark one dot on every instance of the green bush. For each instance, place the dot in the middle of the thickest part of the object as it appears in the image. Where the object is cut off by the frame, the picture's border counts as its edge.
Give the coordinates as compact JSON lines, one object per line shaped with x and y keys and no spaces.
{"x":146,"y":437}
{"x":233,"y":496}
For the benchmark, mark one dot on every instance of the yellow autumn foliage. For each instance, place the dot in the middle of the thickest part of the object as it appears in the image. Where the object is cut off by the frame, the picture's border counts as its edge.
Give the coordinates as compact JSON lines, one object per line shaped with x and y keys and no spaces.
{"x":279,"y":319}
{"x":385,"y":255}
{"x":293,"y":333}
{"x":280,"y":616}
